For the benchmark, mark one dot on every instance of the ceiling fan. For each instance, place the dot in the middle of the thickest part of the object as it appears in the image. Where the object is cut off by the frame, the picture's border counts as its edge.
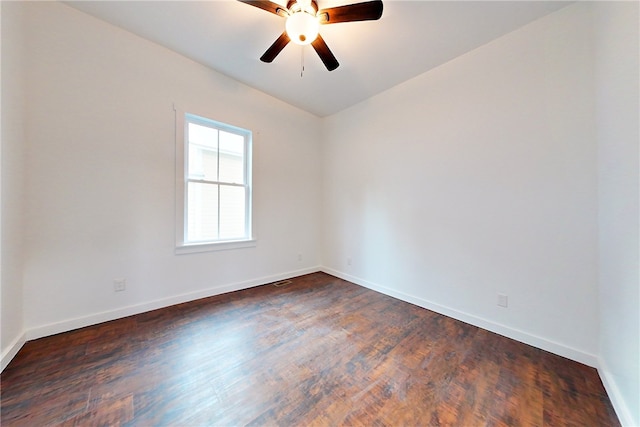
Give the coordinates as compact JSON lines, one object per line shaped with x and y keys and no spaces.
{"x":303,"y":20}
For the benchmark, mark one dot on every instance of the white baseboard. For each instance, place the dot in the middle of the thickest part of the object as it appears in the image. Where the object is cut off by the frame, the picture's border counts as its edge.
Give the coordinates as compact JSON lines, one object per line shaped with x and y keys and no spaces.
{"x":516,"y":334}
{"x":619,"y":404}
{"x":12,"y":350}
{"x":93,"y":319}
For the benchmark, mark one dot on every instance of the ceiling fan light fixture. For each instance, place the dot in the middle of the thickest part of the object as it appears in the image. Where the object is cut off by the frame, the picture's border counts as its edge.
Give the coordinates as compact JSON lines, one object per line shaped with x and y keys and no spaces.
{"x":302,"y":27}
{"x":303,"y":19}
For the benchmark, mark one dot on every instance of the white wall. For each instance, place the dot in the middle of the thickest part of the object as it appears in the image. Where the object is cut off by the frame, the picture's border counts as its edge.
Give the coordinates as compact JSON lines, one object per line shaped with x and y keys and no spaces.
{"x":478,"y":178}
{"x":100,"y":182}
{"x":11,"y":307}
{"x":617,"y":95}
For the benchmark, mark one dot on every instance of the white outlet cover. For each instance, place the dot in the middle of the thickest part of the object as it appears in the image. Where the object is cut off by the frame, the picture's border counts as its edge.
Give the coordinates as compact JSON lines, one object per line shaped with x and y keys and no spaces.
{"x":119,"y":285}
{"x":503,"y":300}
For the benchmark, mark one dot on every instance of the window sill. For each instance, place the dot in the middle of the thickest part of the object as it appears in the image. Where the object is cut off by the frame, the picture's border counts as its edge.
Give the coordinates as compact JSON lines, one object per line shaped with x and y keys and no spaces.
{"x":218,"y":246}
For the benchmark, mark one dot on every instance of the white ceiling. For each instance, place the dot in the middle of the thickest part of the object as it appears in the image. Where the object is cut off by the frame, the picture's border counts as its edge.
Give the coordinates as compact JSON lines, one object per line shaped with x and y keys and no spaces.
{"x":411,"y":38}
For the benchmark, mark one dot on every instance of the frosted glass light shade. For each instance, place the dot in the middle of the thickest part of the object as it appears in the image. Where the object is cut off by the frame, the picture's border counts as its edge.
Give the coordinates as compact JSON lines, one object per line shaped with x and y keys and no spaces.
{"x":302,"y":28}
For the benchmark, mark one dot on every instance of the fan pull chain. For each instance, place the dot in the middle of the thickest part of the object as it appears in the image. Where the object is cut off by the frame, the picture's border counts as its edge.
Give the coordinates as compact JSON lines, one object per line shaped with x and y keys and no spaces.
{"x":302,"y":61}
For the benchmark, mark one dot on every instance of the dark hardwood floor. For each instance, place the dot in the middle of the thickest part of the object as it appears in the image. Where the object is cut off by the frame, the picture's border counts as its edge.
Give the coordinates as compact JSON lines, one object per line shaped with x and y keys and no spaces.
{"x":319,"y":351}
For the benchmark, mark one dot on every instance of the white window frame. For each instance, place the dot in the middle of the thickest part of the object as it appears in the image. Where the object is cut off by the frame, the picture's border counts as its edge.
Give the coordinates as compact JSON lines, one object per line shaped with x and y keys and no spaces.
{"x":182,"y":148}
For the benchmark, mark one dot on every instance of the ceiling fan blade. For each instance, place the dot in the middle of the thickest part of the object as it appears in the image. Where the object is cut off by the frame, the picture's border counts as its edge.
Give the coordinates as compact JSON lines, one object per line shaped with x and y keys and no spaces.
{"x":269,"y":6}
{"x":275,"y":48}
{"x":324,"y":53}
{"x":367,"y":11}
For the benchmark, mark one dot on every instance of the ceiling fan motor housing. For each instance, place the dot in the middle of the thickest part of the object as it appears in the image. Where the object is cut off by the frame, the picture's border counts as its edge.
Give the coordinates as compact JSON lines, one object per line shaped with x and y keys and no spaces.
{"x":294,"y":6}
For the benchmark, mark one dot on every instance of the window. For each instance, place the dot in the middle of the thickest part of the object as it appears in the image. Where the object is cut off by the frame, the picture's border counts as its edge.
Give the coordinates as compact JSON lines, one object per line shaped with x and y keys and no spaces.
{"x":213,"y":164}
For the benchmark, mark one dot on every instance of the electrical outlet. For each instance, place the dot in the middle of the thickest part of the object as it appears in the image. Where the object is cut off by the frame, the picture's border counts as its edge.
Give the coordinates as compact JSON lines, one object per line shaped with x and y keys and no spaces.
{"x":299,"y":257}
{"x":119,"y":285}
{"x":503,"y":300}
{"x":349,"y":261}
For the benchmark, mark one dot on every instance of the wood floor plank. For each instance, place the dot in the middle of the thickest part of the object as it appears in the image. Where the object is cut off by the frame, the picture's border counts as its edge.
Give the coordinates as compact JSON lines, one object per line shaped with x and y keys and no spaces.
{"x":317,"y":352}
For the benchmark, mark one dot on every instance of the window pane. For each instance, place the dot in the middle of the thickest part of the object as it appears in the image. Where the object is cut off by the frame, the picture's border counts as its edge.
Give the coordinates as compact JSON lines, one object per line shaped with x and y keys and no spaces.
{"x":202,"y":212}
{"x":203,"y":147}
{"x":231,"y":158}
{"x":232,"y":219}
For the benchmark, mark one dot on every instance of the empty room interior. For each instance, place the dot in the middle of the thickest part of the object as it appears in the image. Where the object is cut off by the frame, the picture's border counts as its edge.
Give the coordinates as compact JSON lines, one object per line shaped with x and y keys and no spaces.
{"x":426,"y":216}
